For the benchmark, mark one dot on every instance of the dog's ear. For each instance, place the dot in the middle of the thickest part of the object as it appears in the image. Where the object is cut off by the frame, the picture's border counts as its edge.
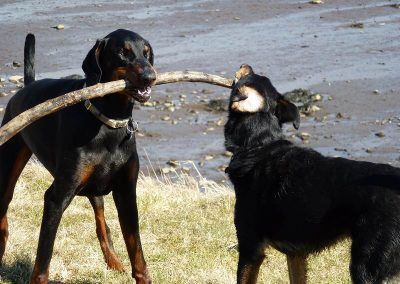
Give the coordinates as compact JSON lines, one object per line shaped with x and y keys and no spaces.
{"x":151,"y":56}
{"x":91,"y":65}
{"x":244,"y":70}
{"x":287,"y":112}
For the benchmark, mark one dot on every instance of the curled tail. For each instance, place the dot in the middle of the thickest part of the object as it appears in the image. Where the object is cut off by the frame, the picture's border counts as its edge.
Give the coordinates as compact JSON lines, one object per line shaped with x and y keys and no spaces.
{"x":29,"y":59}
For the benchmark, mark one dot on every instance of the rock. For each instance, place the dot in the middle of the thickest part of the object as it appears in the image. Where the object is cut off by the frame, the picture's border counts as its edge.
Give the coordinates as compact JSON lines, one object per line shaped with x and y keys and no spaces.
{"x":2,"y":80}
{"x":316,"y":97}
{"x":222,"y":168}
{"x":15,"y":79}
{"x":220,"y":122}
{"x":396,"y":6}
{"x":210,"y":129}
{"x":166,"y":170}
{"x":218,"y":105}
{"x":173,"y":163}
{"x":148,"y":104}
{"x":2,"y":109}
{"x":315,"y":108}
{"x":316,"y":2}
{"x":207,"y":91}
{"x":357,"y":25}
{"x":304,"y":136}
{"x":369,"y":151}
{"x":227,"y":154}
{"x":3,"y":94}
{"x":185,"y":169}
{"x":236,"y":18}
{"x":165,"y":118}
{"x":182,"y":96}
{"x":59,"y":27}
{"x":174,"y":122}
{"x":171,"y":108}
{"x":380,"y":134}
{"x":16,"y":64}
{"x":376,"y":92}
{"x":339,"y":115}
{"x":208,"y":157}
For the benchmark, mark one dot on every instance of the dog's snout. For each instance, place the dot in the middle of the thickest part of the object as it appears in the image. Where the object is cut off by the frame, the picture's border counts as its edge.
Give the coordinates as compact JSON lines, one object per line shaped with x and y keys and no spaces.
{"x":148,"y":77}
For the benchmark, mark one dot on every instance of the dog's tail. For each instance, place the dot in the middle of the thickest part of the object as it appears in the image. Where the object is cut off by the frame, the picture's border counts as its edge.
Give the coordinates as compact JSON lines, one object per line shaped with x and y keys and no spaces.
{"x":29,"y":59}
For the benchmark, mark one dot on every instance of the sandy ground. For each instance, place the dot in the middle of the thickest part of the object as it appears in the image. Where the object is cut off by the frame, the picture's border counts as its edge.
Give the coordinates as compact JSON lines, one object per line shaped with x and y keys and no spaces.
{"x":296,"y":44}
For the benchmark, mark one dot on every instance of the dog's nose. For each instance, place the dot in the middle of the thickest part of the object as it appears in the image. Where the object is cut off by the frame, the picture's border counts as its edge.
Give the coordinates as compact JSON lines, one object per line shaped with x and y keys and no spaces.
{"x":148,"y":78}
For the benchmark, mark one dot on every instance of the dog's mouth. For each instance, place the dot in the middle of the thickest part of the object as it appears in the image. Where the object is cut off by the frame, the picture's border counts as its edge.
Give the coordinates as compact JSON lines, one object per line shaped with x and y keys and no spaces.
{"x":140,"y":94}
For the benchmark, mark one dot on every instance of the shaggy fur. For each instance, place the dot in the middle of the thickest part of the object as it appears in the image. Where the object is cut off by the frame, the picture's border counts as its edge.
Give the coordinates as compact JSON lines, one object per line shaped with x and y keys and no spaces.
{"x":299,"y":202}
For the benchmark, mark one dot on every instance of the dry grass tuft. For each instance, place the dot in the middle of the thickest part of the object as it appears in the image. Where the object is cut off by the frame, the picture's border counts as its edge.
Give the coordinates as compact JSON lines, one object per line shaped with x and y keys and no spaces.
{"x":187,"y":233}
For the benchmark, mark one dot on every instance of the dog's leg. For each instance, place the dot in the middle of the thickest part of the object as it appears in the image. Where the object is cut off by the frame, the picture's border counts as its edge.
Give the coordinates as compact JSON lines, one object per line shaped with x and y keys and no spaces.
{"x":56,"y":200}
{"x":103,"y":234}
{"x":13,"y":157}
{"x":125,"y":201}
{"x":251,"y":256}
{"x":297,"y":266}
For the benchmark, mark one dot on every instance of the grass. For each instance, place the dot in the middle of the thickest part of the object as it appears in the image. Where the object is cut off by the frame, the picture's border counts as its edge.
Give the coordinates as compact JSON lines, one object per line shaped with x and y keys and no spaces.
{"x":187,"y":234}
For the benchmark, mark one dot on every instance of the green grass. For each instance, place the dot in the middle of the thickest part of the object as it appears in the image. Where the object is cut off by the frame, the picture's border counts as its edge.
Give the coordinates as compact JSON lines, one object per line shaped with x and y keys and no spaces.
{"x":188,"y":236}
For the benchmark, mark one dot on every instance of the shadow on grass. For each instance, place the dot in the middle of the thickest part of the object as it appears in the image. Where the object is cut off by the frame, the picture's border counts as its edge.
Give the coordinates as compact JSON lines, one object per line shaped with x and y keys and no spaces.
{"x":17,"y":272}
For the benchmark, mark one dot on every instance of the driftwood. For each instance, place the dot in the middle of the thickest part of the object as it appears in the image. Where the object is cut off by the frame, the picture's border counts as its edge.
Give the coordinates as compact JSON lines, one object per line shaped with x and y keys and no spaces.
{"x":18,"y":123}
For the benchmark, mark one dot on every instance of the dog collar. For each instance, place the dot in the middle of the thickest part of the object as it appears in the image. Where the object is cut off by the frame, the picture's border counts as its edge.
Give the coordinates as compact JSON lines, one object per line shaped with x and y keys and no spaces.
{"x":131,"y":125}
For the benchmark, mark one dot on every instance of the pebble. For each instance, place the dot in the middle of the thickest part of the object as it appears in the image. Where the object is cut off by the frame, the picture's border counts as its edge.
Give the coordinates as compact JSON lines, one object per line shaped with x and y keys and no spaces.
{"x":376,"y":92}
{"x":165,"y":118}
{"x":314,"y":108}
{"x":15,"y":79}
{"x":166,"y":170}
{"x":227,"y":154}
{"x":2,"y":80}
{"x":1,"y":109}
{"x":3,"y":94}
{"x":185,"y":169}
{"x":380,"y":134}
{"x":207,"y":91}
{"x":339,"y":115}
{"x":208,"y":157}
{"x":173,"y":163}
{"x":304,"y":136}
{"x":149,"y":104}
{"x":368,"y":151}
{"x":316,"y":2}
{"x":210,"y":129}
{"x":59,"y":27}
{"x":174,"y":122}
{"x":16,"y":64}
{"x":171,"y":109}
{"x":316,"y":97}
{"x":222,"y":168}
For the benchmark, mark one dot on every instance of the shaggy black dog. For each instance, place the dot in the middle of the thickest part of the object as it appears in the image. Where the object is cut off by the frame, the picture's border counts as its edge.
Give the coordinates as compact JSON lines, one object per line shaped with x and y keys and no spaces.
{"x":298,"y":201}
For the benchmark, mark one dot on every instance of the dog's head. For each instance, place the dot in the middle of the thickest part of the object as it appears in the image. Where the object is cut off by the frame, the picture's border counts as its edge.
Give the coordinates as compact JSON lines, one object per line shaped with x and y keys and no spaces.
{"x":253,"y":93}
{"x":122,"y":54}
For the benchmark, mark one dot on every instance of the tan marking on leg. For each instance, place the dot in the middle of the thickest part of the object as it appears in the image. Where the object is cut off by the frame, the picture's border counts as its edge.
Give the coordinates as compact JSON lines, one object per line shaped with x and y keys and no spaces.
{"x":39,"y":277}
{"x":297,"y":266}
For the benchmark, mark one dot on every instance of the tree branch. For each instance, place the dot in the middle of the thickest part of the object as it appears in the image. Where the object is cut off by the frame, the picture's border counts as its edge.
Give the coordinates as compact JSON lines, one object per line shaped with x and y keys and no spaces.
{"x":27,"y":117}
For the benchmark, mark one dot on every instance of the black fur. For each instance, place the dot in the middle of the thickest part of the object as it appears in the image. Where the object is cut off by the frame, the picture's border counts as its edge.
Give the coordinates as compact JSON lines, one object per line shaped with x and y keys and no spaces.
{"x":85,"y":156}
{"x":299,"y":202}
{"x":29,"y":59}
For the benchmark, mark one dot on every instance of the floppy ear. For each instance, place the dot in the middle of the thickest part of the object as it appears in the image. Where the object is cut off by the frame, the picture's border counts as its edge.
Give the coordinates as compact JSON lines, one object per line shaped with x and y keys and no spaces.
{"x":287,"y":112}
{"x":91,"y":65}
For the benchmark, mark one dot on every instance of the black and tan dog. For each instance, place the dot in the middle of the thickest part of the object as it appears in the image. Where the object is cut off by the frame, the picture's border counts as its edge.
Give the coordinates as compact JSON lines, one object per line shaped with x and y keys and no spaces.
{"x":89,"y":148}
{"x":300,"y":202}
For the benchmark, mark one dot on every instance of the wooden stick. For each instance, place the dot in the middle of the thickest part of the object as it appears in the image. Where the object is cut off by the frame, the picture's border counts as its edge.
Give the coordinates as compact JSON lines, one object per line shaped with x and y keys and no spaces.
{"x":27,"y":117}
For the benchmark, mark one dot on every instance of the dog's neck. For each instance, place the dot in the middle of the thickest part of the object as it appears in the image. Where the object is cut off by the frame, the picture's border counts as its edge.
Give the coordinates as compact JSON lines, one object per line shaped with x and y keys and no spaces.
{"x":114,"y":106}
{"x":251,"y":130}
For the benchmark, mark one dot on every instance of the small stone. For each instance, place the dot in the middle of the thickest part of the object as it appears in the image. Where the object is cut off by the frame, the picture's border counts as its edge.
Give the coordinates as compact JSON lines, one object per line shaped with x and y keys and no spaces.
{"x":166,"y":170}
{"x":13,"y":92}
{"x":316,"y":2}
{"x":358,"y":25}
{"x":174,"y":122}
{"x":208,"y":157}
{"x":3,"y":94}
{"x":1,"y":109}
{"x":185,"y":169}
{"x":227,"y":154}
{"x":369,"y":151}
{"x":173,"y":163}
{"x":304,"y":136}
{"x":15,"y":79}
{"x":59,"y":27}
{"x":396,"y":6}
{"x":148,"y":104}
{"x":2,"y":80}
{"x":182,"y":96}
{"x":339,"y":115}
{"x":165,"y":118}
{"x":16,"y":64}
{"x":236,"y":18}
{"x":380,"y":134}
{"x":210,"y":129}
{"x":376,"y":92}
{"x":171,"y":109}
{"x":222,"y":168}
{"x":316,"y":97}
{"x":207,"y":91}
{"x":314,"y":108}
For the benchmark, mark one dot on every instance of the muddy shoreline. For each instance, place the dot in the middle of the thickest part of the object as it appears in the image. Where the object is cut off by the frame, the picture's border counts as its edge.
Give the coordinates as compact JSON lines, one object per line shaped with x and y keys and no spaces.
{"x":298,"y":45}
